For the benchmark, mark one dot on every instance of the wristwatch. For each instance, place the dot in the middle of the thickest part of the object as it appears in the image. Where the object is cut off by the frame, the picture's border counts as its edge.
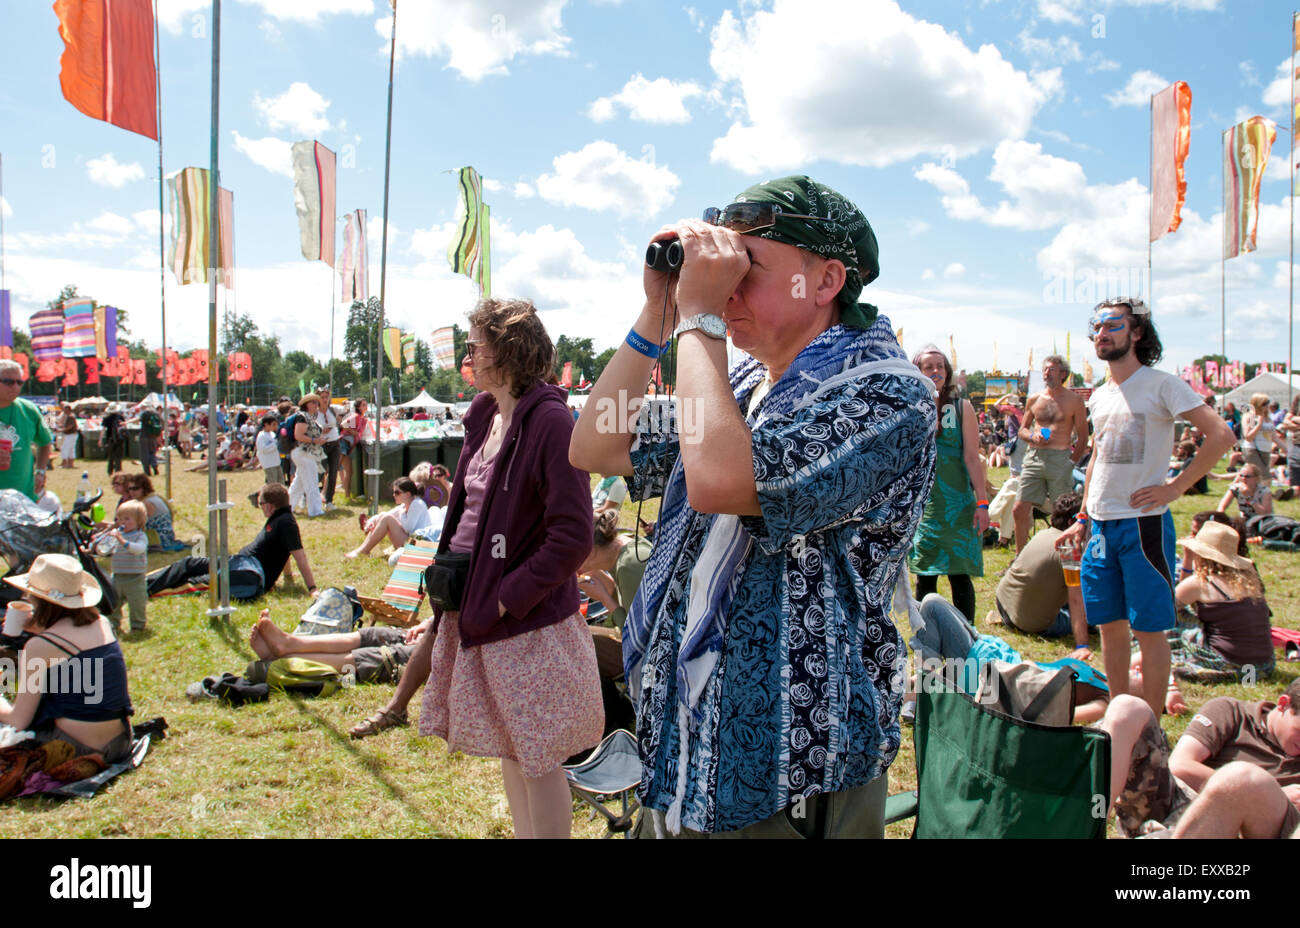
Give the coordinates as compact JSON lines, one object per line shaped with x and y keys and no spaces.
{"x":708,"y":323}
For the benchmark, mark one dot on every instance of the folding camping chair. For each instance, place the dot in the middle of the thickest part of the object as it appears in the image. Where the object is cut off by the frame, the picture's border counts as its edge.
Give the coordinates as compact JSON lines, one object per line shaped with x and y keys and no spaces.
{"x":612,"y":769}
{"x":983,"y":774}
{"x":399,"y":603}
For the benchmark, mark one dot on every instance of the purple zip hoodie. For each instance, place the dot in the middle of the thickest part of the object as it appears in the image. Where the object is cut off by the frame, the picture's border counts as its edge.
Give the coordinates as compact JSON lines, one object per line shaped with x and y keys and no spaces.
{"x":535,"y":528}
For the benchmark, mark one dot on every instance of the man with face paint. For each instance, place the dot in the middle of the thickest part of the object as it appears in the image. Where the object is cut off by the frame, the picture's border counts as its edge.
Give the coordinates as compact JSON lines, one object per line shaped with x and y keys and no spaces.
{"x":1126,"y":527}
{"x":759,"y":647}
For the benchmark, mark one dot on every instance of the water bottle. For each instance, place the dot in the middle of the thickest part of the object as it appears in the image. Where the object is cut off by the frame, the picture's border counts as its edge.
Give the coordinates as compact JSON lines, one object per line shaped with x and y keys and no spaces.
{"x":83,"y":486}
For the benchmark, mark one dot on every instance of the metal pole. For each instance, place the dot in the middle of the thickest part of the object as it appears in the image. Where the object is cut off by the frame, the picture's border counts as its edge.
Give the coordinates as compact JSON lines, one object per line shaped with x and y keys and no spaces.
{"x":374,"y":472}
{"x":162,"y":250}
{"x":1223,"y":264}
{"x":1151,"y":198}
{"x":2,"y":221}
{"x":1290,"y":304}
{"x":214,"y":251}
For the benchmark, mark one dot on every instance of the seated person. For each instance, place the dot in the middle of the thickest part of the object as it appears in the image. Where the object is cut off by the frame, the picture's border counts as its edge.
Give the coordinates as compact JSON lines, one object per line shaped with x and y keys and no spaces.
{"x":231,"y":458}
{"x":434,"y":483}
{"x":1184,"y":451}
{"x":610,"y":575}
{"x":160,"y":514}
{"x":375,"y":655}
{"x":278,"y":541}
{"x":71,"y":644}
{"x":947,"y":635}
{"x":399,"y":523}
{"x":1152,"y":787}
{"x":1241,"y":801}
{"x":1250,"y":491}
{"x":609,"y":493}
{"x":1225,"y":592}
{"x":1032,"y":595}
{"x":45,"y":497}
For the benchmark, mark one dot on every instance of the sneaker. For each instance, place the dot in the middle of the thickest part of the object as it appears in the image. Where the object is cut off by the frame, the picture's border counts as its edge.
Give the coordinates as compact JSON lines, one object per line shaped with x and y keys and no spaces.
{"x":329,"y":507}
{"x":201,"y":690}
{"x":908,"y":715}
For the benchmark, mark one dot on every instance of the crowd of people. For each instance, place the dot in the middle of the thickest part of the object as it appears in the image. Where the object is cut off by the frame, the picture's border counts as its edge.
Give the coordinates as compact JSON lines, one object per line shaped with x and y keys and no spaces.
{"x":754,"y":637}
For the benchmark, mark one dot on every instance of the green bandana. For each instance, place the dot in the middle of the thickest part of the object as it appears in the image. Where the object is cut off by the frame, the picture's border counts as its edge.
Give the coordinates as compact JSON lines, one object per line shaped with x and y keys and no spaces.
{"x":847,"y":237}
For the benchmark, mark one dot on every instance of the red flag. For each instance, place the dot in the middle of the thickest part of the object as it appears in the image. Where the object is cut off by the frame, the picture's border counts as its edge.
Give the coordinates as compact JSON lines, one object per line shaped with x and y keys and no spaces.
{"x":47,"y":371}
{"x":566,"y":379}
{"x":241,"y":366}
{"x":92,"y":370}
{"x":8,"y":354}
{"x":140,"y":375}
{"x":69,"y":370}
{"x":201,"y":368}
{"x":107,"y":68}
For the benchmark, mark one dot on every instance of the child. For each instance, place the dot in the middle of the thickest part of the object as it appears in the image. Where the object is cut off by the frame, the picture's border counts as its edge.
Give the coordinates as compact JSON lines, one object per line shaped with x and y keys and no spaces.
{"x":268,"y":454}
{"x":129,"y":546}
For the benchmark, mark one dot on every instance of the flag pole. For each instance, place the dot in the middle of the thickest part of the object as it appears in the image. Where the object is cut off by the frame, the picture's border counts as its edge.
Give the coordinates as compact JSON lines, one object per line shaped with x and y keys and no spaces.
{"x":162,"y":249}
{"x":1290,"y":305}
{"x":1151,"y":197}
{"x":2,"y":221}
{"x":214,"y":365}
{"x":1223,"y":258}
{"x":333,"y":309}
{"x":374,"y":472}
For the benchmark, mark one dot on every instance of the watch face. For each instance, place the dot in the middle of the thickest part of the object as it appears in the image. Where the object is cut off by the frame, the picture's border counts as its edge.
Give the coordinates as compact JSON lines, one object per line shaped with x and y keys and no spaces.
{"x":713,"y":325}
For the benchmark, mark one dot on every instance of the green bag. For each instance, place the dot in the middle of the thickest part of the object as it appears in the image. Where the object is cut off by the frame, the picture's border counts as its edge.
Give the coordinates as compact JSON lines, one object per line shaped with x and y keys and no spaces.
{"x":299,"y":675}
{"x":982,"y":774}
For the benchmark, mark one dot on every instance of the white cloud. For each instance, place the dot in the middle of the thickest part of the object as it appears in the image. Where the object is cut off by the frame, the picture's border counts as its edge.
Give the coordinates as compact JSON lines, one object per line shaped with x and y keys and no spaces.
{"x":177,"y":16}
{"x":1249,"y":78}
{"x":106,"y":172}
{"x":478,"y":39}
{"x":5,"y":208}
{"x":876,"y":88}
{"x":697,"y":21}
{"x":111,"y":224}
{"x":927,"y":274}
{"x":1057,"y":11}
{"x":1278,"y":92}
{"x":659,"y":101}
{"x":954,"y":270}
{"x":603,"y":177}
{"x":276,"y":155}
{"x":1075,"y":11}
{"x":299,"y":109}
{"x":270,"y":31}
{"x":1139,"y":89}
{"x":491,"y":186}
{"x":524,"y":191}
{"x":1099,"y":62}
{"x":1064,"y":49}
{"x":917,"y":227}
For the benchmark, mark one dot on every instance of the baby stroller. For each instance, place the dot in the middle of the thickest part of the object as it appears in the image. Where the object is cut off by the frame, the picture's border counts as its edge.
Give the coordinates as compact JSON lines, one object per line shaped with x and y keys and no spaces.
{"x":27,"y":530}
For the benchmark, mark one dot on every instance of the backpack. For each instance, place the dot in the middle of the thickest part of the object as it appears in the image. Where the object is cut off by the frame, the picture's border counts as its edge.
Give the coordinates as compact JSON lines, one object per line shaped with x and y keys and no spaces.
{"x":310,"y":678}
{"x":284,"y":440}
{"x":1274,"y":528}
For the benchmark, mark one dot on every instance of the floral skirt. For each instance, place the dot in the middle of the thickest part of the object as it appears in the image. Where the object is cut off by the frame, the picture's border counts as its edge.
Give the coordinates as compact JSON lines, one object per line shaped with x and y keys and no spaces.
{"x":534,"y":698}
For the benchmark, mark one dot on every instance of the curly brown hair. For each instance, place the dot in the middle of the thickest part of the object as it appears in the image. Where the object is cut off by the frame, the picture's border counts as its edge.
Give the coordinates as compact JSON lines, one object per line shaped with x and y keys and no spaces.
{"x":521,"y":349}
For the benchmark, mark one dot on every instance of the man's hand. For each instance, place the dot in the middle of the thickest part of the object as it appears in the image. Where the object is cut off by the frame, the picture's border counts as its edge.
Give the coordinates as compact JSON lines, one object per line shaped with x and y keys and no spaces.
{"x":981,"y":520}
{"x":413,"y":634}
{"x":716,"y":262}
{"x":39,"y":484}
{"x":1153,"y":497}
{"x":1076,"y":536}
{"x":1081,"y":652}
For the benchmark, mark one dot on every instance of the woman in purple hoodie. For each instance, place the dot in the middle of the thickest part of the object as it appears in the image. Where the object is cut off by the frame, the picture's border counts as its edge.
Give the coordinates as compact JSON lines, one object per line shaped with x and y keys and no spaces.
{"x":513,"y":671}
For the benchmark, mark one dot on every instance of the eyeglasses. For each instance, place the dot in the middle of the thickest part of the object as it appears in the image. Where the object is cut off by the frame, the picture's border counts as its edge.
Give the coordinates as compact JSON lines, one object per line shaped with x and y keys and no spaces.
{"x":470,"y":348}
{"x":749,"y":217}
{"x":10,"y":382}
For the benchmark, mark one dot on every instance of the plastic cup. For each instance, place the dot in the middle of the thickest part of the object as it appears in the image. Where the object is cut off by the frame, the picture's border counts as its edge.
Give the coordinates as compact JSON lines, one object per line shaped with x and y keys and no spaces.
{"x":1046,"y":433}
{"x":6,"y":452}
{"x":16,"y":618}
{"x":98,"y":513}
{"x":1071,"y":560}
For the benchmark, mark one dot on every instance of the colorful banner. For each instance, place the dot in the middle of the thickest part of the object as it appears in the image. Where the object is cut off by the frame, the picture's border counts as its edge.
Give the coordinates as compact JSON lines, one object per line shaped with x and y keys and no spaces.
{"x":240,"y":367}
{"x":393,"y":346}
{"x":190,"y":228}
{"x":6,"y":324}
{"x":313,"y":195}
{"x":353,"y":262}
{"x":107,"y":68}
{"x":566,"y":378}
{"x":1295,"y":91}
{"x":1171,"y":138}
{"x":408,"y":353}
{"x":469,"y":248}
{"x":443,"y":343}
{"x":1246,"y":147}
{"x":47,"y":334}
{"x":79,"y":328}
{"x":485,"y":248}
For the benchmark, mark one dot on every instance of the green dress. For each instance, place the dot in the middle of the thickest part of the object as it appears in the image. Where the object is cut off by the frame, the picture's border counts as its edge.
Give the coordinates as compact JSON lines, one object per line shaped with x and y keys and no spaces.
{"x":946,"y":543}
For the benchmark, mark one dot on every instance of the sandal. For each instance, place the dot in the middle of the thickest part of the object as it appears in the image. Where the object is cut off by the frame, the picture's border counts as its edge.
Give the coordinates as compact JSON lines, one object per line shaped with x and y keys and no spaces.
{"x":381,"y":721}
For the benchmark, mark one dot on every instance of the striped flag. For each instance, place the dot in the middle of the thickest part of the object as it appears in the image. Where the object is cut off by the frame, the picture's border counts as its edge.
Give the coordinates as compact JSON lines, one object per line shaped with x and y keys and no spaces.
{"x":393,"y":346}
{"x":79,"y":328}
{"x":469,"y":250}
{"x":352,"y":262}
{"x":443,"y":344}
{"x":107,"y":68}
{"x":190,"y":227}
{"x":1245,"y":156}
{"x":485,"y":252}
{"x":1295,"y":89}
{"x":1171,"y":138}
{"x":313,"y":195}
{"x":6,"y":325}
{"x":47,"y":335}
{"x":408,"y":353}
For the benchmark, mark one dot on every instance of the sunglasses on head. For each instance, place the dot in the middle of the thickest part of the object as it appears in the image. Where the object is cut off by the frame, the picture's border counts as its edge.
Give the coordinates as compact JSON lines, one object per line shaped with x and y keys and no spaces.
{"x":749,"y":217}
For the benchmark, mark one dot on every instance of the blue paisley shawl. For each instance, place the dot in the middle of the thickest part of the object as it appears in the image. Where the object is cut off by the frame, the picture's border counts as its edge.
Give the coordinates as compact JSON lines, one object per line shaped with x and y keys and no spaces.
{"x":804,"y":693}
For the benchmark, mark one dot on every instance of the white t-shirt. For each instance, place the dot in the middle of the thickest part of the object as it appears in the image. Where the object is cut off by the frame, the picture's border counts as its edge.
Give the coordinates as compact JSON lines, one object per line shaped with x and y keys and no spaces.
{"x":268,"y":455}
{"x":1133,"y":437}
{"x":610,"y":489}
{"x":329,"y":425}
{"x":416,"y":516}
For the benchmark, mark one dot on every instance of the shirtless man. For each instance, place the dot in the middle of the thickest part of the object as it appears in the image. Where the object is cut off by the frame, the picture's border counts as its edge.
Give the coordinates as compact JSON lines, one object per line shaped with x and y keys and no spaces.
{"x":1048,"y":471}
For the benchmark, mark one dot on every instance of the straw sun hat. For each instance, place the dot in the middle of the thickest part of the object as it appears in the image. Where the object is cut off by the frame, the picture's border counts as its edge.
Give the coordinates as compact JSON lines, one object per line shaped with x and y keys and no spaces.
{"x":59,"y":579}
{"x":1218,"y":542}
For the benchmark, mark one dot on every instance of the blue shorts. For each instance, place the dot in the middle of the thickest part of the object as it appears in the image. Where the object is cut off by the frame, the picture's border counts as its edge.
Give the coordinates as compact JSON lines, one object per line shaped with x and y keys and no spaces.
{"x":1127,"y":572}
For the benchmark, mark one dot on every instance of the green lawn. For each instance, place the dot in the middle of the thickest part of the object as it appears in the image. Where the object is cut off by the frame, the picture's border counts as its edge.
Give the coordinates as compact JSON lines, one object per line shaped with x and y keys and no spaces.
{"x":287,"y":767}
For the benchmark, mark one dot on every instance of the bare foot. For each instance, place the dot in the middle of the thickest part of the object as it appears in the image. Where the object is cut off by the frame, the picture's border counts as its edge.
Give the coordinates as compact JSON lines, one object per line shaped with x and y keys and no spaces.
{"x":258,"y":644}
{"x":354,"y":554}
{"x":275,"y":640}
{"x":1175,"y":704}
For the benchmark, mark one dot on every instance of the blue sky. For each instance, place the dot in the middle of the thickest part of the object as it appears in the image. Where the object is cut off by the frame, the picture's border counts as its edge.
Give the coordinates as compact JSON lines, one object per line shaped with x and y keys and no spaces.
{"x":998,"y":149}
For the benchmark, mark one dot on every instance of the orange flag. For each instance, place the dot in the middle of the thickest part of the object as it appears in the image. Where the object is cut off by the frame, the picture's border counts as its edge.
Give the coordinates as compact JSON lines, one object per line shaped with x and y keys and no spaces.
{"x":1171,"y":138}
{"x":107,"y":68}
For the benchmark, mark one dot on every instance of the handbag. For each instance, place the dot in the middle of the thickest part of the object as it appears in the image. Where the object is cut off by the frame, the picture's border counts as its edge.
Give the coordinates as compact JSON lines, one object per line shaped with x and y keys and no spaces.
{"x":445,"y":580}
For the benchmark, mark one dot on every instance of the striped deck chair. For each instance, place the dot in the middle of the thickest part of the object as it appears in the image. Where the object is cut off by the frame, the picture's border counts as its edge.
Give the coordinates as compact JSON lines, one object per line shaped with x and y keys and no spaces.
{"x":399,"y":603}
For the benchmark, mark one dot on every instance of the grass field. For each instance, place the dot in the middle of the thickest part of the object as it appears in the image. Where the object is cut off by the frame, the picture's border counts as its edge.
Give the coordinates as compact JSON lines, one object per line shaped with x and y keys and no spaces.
{"x":286,"y":768}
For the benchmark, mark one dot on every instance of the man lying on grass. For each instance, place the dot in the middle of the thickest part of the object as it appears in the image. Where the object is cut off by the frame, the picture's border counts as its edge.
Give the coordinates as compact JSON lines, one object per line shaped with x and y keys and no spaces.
{"x":375,"y":655}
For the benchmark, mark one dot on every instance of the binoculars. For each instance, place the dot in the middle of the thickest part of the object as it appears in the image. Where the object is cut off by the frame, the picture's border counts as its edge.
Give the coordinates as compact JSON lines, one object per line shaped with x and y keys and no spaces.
{"x":665,"y":256}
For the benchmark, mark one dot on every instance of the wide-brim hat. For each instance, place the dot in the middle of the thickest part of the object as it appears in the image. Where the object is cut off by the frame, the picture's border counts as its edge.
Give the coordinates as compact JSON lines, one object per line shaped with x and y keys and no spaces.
{"x":59,"y":579}
{"x":309,"y":398}
{"x":1219,"y":543}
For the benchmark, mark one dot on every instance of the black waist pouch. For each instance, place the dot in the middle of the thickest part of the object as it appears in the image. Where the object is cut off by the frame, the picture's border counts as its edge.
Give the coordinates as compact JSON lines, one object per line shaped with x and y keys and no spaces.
{"x":445,"y":579}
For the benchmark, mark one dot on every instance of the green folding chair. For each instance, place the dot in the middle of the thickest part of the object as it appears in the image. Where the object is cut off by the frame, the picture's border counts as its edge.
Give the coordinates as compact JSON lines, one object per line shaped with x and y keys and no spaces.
{"x":983,"y":774}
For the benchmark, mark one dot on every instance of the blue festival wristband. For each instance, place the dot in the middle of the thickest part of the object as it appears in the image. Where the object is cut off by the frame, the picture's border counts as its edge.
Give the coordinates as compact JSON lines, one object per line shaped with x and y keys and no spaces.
{"x":644,"y":346}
